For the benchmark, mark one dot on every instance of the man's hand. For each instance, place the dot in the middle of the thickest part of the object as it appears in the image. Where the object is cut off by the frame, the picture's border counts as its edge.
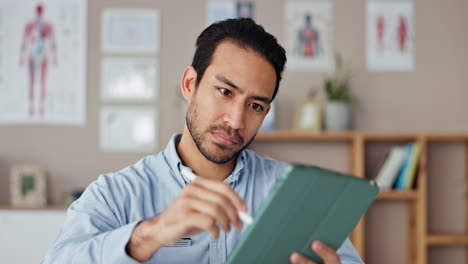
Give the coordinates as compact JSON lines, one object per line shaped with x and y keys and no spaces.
{"x":325,"y":252}
{"x":199,"y":207}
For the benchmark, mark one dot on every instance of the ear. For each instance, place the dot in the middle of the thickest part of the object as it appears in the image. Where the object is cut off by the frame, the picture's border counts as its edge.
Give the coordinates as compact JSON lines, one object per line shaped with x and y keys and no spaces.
{"x":188,"y":83}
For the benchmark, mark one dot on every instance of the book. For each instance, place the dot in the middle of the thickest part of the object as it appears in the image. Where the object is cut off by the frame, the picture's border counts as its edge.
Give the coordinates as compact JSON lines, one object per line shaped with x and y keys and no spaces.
{"x":412,"y":166}
{"x":407,"y":174}
{"x":390,"y":167}
{"x":308,"y":203}
{"x":400,"y":182}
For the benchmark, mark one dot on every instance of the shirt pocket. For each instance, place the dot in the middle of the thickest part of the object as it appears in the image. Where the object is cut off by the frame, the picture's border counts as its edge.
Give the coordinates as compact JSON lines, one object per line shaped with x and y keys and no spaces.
{"x":193,"y":249}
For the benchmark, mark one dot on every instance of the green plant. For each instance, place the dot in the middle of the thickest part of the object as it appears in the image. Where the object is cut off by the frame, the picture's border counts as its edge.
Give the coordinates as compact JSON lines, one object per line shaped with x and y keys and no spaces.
{"x":337,"y":86}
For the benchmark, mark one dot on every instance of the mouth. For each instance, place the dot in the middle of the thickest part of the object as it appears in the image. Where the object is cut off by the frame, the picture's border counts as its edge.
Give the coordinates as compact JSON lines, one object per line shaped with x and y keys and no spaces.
{"x":225,"y":139}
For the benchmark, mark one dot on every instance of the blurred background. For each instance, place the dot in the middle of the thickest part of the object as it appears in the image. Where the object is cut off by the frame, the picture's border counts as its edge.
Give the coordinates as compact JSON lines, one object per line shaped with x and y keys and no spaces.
{"x":90,"y":87}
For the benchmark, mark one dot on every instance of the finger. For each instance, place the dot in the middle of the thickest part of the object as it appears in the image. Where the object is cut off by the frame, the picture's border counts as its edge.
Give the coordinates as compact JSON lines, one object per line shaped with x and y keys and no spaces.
{"x":216,"y":198}
{"x":297,"y":258}
{"x":212,"y":210}
{"x":327,"y":253}
{"x":224,"y":189}
{"x":204,"y":222}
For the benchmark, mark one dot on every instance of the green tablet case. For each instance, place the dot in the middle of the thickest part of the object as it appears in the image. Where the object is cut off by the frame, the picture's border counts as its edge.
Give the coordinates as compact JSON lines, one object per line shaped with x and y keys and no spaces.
{"x":308,"y":203}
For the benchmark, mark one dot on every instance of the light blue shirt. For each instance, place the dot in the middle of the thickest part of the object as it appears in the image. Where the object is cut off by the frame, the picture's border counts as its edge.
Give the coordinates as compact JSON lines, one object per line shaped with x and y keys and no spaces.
{"x":99,"y":224}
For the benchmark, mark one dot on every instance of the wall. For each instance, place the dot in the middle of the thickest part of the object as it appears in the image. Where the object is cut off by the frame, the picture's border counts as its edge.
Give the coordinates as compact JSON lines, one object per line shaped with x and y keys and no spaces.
{"x":432,"y":98}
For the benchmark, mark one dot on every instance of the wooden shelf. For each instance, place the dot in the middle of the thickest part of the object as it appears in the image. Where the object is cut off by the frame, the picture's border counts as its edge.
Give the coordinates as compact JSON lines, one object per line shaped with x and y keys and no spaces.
{"x":291,"y":135}
{"x":397,"y":195}
{"x":285,"y":135}
{"x":418,"y":238}
{"x":448,"y":137}
{"x":48,"y":207}
{"x":389,"y":136}
{"x":447,"y":240}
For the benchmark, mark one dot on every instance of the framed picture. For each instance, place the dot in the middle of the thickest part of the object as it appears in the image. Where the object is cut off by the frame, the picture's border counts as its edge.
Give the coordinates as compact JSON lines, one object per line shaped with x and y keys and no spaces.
{"x":129,"y":129}
{"x":309,"y":115}
{"x":308,"y":32}
{"x":129,"y":79}
{"x":130,"y":30}
{"x":28,"y":187}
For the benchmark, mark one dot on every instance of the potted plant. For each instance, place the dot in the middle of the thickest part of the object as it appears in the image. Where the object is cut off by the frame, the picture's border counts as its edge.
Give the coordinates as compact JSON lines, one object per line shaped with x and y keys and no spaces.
{"x":338,"y":110}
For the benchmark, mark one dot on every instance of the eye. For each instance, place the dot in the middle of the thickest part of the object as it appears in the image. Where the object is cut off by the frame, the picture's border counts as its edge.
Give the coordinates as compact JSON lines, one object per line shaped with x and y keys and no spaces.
{"x":225,"y":91}
{"x":257,"y":107}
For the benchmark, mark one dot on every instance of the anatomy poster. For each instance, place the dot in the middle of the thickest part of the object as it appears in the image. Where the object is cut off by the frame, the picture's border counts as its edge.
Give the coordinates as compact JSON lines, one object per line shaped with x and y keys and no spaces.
{"x":390,"y":36}
{"x":308,"y":32}
{"x":218,"y":10}
{"x":42,"y":62}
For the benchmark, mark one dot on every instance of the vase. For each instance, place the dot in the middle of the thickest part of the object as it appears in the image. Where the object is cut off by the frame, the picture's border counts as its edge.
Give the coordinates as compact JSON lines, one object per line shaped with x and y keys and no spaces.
{"x":337,"y":116}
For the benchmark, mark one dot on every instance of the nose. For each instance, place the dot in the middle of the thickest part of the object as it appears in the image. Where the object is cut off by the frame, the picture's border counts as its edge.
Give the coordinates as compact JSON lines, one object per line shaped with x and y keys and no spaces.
{"x":235,"y":116}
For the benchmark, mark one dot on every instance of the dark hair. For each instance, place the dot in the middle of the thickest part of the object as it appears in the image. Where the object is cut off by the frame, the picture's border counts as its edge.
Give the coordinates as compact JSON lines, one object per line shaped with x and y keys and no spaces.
{"x":247,"y":34}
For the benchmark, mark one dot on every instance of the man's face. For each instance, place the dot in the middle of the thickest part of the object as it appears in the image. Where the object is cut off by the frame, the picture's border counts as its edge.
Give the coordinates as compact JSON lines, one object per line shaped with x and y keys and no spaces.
{"x":230,"y":102}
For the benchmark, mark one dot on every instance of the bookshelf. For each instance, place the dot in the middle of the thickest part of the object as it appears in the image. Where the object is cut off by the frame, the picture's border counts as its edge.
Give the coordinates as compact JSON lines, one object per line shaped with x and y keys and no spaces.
{"x":395,"y":195}
{"x":420,"y":239}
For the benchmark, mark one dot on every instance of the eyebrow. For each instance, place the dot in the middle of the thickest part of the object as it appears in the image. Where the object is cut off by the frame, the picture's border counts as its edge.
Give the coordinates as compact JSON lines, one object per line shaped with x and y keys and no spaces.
{"x":225,"y":80}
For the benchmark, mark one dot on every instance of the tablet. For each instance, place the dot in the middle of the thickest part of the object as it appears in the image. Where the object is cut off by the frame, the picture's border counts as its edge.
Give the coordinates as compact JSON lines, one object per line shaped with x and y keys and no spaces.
{"x":308,"y":203}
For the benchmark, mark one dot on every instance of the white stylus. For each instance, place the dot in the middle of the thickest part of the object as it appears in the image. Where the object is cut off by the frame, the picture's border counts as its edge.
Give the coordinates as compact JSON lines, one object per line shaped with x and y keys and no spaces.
{"x":247,"y":219}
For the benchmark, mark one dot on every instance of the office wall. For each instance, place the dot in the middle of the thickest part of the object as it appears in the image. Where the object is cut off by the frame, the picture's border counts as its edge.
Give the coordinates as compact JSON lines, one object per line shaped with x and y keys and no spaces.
{"x":431,"y":98}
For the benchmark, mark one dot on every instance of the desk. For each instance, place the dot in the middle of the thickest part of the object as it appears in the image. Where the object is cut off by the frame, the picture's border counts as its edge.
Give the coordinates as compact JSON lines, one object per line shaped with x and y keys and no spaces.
{"x":26,"y":234}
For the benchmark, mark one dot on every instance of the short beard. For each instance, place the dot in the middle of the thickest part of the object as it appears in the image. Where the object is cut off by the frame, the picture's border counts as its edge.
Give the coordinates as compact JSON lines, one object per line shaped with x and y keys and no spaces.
{"x":191,"y":119}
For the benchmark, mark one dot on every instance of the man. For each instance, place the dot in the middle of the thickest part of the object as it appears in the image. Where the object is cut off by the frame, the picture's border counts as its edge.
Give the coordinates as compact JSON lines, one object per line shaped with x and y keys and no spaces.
{"x":145,"y":211}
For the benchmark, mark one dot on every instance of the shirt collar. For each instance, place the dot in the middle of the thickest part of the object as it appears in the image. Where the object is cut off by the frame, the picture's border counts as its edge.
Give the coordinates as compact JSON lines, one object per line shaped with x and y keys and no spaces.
{"x":173,"y":159}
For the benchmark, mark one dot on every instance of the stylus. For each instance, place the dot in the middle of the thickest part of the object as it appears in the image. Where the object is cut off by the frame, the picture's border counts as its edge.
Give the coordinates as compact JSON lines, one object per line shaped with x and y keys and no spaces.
{"x":247,"y":219}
